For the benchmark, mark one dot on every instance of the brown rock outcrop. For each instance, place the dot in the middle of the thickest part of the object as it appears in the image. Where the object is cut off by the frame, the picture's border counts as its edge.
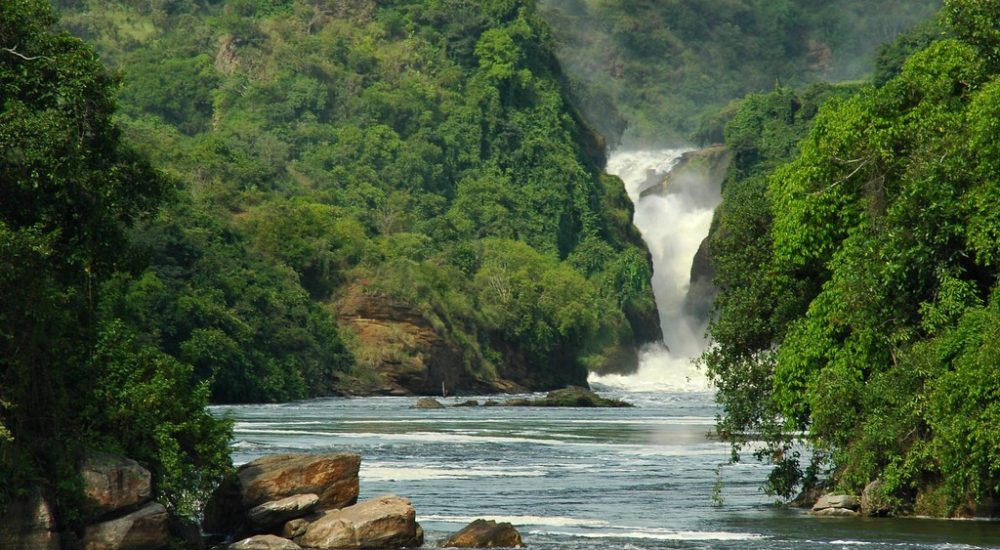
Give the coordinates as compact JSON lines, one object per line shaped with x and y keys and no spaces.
{"x":112,"y":482}
{"x":270,"y":514}
{"x":145,"y":529}
{"x":410,"y":351}
{"x":384,"y":522}
{"x":836,"y":505}
{"x":333,"y":477}
{"x":483,"y":533}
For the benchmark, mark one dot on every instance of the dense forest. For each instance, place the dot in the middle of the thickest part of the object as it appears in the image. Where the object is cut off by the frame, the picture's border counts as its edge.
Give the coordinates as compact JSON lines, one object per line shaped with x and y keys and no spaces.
{"x":390,"y":197}
{"x":268,"y":200}
{"x":652,"y":71}
{"x":856,"y":255}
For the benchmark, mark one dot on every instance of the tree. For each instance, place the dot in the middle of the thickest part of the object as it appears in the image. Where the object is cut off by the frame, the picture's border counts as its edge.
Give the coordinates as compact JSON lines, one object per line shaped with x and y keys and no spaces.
{"x":70,"y":190}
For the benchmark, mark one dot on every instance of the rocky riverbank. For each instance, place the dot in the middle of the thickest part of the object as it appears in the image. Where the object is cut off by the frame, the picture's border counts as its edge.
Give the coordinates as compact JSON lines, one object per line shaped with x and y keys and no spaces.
{"x":277,"y":502}
{"x":287,"y":502}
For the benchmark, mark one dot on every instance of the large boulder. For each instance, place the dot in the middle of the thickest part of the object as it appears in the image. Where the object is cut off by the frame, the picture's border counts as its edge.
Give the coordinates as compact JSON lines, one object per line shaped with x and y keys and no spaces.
{"x":333,"y":477}
{"x":264,"y":542}
{"x":27,"y":524}
{"x":224,"y":514}
{"x":145,"y":529}
{"x":113,"y":483}
{"x":836,"y":505}
{"x":384,"y":522}
{"x":270,"y":514}
{"x":485,"y":534}
{"x":850,"y":502}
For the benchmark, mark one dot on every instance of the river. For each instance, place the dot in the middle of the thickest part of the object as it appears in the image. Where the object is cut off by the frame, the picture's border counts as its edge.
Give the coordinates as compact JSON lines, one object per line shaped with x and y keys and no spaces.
{"x":638,"y":478}
{"x":648,"y":477}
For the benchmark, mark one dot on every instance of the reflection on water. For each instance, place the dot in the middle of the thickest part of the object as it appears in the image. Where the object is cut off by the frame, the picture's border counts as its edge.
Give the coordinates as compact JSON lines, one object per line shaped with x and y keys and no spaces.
{"x":638,"y":478}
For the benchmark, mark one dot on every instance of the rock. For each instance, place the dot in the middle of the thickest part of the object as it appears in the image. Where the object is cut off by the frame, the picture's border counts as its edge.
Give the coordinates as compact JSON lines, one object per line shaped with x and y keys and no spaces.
{"x":833,"y":512}
{"x":384,"y":522}
{"x":145,"y":529}
{"x":485,"y":534}
{"x":491,"y":403}
{"x":428,"y":403}
{"x":469,"y":403}
{"x":112,"y":482}
{"x":294,"y":528}
{"x":572,"y":396}
{"x":333,"y":477}
{"x":223,"y":514}
{"x":408,"y":350}
{"x":849,"y":502}
{"x":807,"y":498}
{"x":874,"y":501}
{"x":272,"y":513}
{"x":27,"y":524}
{"x":188,"y":532}
{"x":265,"y":542}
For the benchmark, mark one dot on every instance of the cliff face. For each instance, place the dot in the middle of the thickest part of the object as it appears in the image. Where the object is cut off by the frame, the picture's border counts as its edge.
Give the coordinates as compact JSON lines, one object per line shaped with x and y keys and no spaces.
{"x":403,"y":351}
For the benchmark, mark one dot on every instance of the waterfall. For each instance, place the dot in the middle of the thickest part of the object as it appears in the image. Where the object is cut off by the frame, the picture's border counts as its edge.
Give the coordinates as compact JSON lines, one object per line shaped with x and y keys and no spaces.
{"x":673,"y":223}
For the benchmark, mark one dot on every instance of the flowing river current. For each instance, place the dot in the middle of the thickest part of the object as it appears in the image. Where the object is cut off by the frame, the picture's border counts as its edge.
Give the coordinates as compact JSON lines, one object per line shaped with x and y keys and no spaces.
{"x":649,"y":477}
{"x":574,"y":479}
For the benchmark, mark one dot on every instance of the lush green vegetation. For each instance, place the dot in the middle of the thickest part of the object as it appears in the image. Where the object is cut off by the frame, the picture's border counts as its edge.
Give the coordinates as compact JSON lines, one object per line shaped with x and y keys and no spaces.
{"x":414,"y":157}
{"x":858,"y":276}
{"x":72,"y":376}
{"x":659,"y":67}
{"x":419,"y":154}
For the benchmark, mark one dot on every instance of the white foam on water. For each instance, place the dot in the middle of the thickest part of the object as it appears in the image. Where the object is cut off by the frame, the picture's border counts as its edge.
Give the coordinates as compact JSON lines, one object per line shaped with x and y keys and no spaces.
{"x":655,"y":534}
{"x":421,"y":437}
{"x":385,"y":473}
{"x":549,"y":521}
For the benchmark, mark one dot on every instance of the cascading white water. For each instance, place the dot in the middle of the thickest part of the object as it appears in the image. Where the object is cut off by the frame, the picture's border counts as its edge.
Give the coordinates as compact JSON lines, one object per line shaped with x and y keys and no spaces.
{"x":672,"y":225}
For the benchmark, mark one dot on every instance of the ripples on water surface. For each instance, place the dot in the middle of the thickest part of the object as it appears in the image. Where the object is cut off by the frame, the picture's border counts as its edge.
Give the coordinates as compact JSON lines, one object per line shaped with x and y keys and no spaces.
{"x":638,"y":478}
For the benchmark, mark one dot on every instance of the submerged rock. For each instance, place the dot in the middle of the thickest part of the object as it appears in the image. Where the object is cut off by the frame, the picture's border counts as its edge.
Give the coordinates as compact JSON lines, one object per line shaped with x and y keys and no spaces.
{"x":384,"y":522}
{"x":468,"y":403}
{"x":428,"y":403}
{"x":571,"y":396}
{"x":846,"y":512}
{"x":483,"y":533}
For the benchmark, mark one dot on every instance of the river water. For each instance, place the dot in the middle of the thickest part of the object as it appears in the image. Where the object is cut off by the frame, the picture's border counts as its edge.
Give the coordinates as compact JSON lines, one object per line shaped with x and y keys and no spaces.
{"x":648,"y":477}
{"x":637,"y":478}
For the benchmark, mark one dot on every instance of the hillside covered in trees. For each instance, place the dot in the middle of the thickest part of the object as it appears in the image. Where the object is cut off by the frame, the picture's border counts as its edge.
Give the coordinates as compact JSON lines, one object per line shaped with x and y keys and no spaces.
{"x":387,"y":197}
{"x":271,"y":200}
{"x":856,"y":255}
{"x":654,"y":70}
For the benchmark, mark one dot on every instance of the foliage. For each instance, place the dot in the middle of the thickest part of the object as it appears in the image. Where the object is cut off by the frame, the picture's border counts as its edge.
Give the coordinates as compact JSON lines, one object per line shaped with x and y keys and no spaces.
{"x":327,"y":147}
{"x":866,"y":316}
{"x":664,"y":65}
{"x":71,"y":189}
